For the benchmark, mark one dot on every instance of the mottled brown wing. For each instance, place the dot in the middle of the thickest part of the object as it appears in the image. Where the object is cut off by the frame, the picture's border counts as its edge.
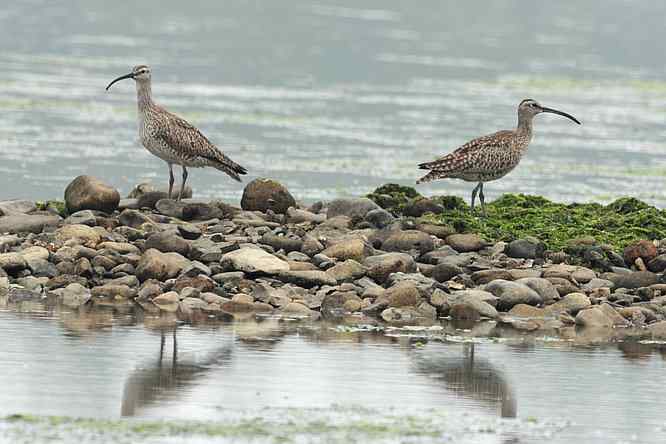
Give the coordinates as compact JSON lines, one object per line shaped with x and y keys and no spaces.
{"x":193,"y":145}
{"x":472,"y":155}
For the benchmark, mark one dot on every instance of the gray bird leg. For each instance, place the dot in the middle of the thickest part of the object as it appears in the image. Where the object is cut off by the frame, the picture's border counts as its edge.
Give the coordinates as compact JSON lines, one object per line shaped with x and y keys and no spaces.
{"x":182,"y":185}
{"x":482,"y":199}
{"x":474,"y":191}
{"x":171,"y":179}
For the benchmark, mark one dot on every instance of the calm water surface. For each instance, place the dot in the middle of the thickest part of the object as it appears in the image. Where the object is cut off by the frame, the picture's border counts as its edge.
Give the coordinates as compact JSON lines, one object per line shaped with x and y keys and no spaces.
{"x":110,"y":367}
{"x":334,"y":98}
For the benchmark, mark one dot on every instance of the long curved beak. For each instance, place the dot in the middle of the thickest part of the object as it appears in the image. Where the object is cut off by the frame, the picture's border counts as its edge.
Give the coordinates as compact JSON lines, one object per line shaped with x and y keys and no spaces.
{"x":554,"y":111}
{"x":126,"y":76}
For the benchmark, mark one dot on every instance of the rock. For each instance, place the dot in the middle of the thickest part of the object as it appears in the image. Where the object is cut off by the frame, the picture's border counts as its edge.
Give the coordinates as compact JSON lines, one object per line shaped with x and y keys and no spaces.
{"x":75,"y":295}
{"x":440,"y":231}
{"x":307,"y":278}
{"x":200,"y":282}
{"x":572,"y":303}
{"x":113,"y":292}
{"x":403,"y":294}
{"x":333,"y":304}
{"x":379,"y":218}
{"x":27,"y":223}
{"x":658,"y":330}
{"x":563,"y":286}
{"x":598,"y":283}
{"x":167,"y":302}
{"x":512,"y":293}
{"x":616,"y":318}
{"x":189,"y":231}
{"x":87,"y":235}
{"x":529,"y":248}
{"x":83,"y":217}
{"x":351,"y":248}
{"x":160,"y":266}
{"x":471,"y":307}
{"x":583,"y":275}
{"x":297,"y":216}
{"x":145,"y":188}
{"x":405,"y":315}
{"x":12,"y":262}
{"x":90,"y":193}
{"x":356,"y":208}
{"x":658,"y":264}
{"x":266,"y":194}
{"x":298,"y":309}
{"x":464,"y":243}
{"x":409,"y":241}
{"x":643,"y":249}
{"x":445,"y":272}
{"x":559,"y":271}
{"x":544,"y":287}
{"x":16,"y":206}
{"x":168,"y":242}
{"x":380,"y":267}
{"x":285,"y":243}
{"x":527,"y":311}
{"x":311,"y":246}
{"x":347,"y":271}
{"x":636,"y":279}
{"x":593,"y":317}
{"x":134,"y":219}
{"x":252,"y":260}
{"x":485,"y":276}
{"x":420,"y":206}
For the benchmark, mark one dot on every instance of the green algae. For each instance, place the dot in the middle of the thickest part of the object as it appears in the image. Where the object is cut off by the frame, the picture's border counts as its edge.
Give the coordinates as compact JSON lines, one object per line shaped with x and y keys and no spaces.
{"x":514,"y":216}
{"x":56,"y":205}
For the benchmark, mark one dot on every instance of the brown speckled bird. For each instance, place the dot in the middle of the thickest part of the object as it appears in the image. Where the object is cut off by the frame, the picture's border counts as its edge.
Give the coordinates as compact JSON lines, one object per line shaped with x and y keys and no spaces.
{"x":489,"y":157}
{"x":173,"y":139}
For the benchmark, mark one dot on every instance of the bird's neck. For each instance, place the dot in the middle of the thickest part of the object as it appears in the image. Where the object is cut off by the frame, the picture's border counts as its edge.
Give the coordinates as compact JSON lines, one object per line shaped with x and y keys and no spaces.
{"x":144,"y":95}
{"x":525,"y":126}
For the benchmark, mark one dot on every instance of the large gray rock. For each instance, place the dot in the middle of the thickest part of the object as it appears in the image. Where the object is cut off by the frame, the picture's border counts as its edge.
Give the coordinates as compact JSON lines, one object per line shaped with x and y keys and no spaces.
{"x":349,"y":248}
{"x":168,"y":242}
{"x":464,"y":243}
{"x":90,"y":193}
{"x":529,"y":248}
{"x":544,"y":287}
{"x":74,"y":295}
{"x":254,"y":260}
{"x":637,"y":279}
{"x":27,"y":223}
{"x":307,"y":278}
{"x":347,"y":271}
{"x":465,"y":306}
{"x":264,"y":194}
{"x":572,"y":303}
{"x":353,"y":208}
{"x":16,"y":206}
{"x":445,"y":272}
{"x":380,"y":267}
{"x":512,"y":293}
{"x":593,"y":317}
{"x":160,"y":266}
{"x":12,"y":262}
{"x":409,"y":241}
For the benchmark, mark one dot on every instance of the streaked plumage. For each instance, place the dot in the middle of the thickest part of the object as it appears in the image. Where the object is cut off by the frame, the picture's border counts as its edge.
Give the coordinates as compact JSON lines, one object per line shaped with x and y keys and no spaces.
{"x":172,"y":138}
{"x":489,"y":157}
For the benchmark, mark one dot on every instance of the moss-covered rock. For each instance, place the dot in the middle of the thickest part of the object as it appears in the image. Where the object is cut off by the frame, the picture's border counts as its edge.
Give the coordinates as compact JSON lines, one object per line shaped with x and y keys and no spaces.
{"x":515,"y":216}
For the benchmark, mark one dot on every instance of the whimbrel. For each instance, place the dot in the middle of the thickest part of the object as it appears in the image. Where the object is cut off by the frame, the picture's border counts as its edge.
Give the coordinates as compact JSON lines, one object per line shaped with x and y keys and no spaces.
{"x":173,"y":139}
{"x":489,"y":157}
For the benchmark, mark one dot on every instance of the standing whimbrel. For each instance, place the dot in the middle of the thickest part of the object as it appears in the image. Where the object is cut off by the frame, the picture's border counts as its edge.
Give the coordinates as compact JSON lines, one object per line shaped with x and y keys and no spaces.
{"x":173,"y":139}
{"x":489,"y":157}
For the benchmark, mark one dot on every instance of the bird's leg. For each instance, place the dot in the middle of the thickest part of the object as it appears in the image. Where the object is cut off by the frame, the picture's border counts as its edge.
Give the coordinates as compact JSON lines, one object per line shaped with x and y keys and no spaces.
{"x":171,"y":180}
{"x":182,"y":185}
{"x":474,"y":191}
{"x":482,"y":199}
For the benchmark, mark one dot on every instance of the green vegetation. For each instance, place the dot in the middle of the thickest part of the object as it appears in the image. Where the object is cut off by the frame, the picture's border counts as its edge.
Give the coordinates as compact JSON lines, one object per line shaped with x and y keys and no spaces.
{"x":515,"y":216}
{"x":57,"y":205}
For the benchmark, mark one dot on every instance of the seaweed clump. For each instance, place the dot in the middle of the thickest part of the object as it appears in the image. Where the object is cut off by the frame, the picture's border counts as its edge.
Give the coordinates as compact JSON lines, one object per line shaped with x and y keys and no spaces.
{"x":515,"y":216}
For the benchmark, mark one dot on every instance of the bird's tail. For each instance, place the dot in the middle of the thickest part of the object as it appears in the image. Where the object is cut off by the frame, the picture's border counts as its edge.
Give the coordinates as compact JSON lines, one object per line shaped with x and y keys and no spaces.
{"x":230,"y":167}
{"x":432,"y":175}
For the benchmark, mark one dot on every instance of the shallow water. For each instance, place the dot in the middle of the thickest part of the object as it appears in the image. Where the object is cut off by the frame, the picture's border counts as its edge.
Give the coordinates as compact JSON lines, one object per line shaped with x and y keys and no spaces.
{"x":290,"y":374}
{"x":335,"y":99}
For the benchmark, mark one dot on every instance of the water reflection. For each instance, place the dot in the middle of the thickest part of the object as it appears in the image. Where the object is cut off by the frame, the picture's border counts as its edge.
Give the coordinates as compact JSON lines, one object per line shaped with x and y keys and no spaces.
{"x":160,"y":379}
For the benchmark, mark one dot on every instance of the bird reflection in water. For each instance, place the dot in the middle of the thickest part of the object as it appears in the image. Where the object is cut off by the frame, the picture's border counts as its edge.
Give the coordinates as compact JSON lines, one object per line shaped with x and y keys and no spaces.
{"x":167,"y":378}
{"x":471,"y":377}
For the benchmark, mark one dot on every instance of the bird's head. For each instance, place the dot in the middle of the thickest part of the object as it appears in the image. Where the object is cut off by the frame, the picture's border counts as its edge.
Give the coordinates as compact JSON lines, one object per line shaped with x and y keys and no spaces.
{"x":529,"y":108}
{"x":140,"y":73}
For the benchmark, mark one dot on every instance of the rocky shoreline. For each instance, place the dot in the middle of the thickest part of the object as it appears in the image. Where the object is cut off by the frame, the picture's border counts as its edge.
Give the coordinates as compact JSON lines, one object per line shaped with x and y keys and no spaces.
{"x":391,"y":258}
